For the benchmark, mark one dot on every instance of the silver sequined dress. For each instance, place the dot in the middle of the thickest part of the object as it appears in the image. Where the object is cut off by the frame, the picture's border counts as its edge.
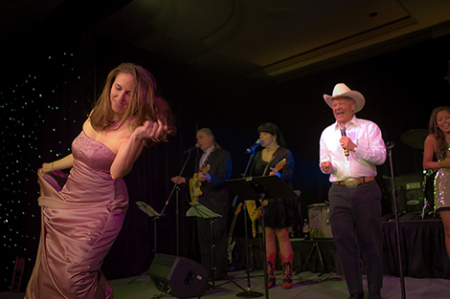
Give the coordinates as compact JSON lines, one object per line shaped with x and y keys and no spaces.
{"x":442,"y":188}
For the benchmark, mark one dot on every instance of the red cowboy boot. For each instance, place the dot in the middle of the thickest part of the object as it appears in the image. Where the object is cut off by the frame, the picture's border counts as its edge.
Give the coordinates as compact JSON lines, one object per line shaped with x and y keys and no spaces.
{"x":271,"y":280}
{"x":287,"y":270}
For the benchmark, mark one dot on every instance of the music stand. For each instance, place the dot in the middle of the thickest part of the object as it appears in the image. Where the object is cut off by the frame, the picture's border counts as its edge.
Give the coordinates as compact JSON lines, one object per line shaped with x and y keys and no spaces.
{"x":264,"y":187}
{"x":147,"y":209}
{"x":199,"y":210}
{"x":244,"y":190}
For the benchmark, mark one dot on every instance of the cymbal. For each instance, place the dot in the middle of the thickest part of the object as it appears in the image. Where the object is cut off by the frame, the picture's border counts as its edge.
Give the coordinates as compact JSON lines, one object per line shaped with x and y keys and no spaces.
{"x":414,"y":138}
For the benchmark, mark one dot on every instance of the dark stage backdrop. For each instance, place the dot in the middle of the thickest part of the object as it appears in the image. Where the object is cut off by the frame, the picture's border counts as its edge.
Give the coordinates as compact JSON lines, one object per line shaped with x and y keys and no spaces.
{"x":45,"y":96}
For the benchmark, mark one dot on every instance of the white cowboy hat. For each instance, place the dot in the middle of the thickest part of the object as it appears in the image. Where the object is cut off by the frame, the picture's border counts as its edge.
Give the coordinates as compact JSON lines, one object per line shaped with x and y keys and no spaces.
{"x":341,"y":90}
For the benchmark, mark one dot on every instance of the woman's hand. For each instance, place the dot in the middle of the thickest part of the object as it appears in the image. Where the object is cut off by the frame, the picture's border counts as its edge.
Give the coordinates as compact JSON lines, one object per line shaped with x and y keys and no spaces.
{"x":445,"y":163}
{"x":150,"y":131}
{"x":275,"y":173}
{"x":63,"y":163}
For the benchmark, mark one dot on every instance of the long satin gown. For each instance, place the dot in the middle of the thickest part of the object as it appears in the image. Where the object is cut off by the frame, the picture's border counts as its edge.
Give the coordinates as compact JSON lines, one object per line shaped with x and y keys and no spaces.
{"x":79,"y":224}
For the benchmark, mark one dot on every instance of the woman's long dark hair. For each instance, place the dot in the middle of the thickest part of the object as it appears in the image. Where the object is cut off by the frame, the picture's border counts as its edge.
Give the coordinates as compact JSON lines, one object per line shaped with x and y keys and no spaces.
{"x":274,"y":130}
{"x":441,"y":144}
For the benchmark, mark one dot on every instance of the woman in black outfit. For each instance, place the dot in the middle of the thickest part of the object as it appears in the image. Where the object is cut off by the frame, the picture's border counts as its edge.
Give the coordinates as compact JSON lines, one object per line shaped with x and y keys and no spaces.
{"x":279,"y":213}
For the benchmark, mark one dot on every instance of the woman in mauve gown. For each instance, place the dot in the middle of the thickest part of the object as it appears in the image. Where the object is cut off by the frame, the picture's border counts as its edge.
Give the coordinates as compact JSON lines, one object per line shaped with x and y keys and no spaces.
{"x":81,"y":219}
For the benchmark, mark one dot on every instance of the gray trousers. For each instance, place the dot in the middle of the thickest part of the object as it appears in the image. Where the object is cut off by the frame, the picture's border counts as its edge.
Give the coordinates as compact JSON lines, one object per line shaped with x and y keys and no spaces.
{"x":355,"y":219}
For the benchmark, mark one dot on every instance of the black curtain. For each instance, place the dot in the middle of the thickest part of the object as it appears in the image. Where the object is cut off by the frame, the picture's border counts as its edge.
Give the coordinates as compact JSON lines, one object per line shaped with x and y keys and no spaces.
{"x":46,"y":94}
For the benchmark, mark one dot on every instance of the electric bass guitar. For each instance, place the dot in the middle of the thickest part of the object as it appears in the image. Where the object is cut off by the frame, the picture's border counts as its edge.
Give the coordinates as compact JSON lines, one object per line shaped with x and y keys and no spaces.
{"x":195,"y":183}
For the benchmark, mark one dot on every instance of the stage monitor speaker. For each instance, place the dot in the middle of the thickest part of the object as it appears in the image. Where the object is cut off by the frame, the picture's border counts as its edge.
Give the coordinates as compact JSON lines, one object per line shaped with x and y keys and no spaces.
{"x":178,"y":276}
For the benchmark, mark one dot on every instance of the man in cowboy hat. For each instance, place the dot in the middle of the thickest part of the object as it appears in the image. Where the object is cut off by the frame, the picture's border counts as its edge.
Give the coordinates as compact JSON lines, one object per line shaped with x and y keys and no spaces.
{"x":350,"y":149}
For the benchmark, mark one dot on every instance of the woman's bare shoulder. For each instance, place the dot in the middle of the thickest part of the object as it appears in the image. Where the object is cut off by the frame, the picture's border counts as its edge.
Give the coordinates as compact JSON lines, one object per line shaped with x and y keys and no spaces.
{"x":430,"y":139}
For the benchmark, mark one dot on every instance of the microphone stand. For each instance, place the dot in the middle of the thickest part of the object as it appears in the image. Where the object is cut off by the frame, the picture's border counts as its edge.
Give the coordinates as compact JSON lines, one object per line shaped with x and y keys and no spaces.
{"x":175,"y":186}
{"x":249,"y":293}
{"x":389,"y":146}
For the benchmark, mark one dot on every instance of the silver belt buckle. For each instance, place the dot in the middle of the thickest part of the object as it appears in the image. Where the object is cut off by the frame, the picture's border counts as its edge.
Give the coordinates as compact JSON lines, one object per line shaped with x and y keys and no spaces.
{"x":351,"y":182}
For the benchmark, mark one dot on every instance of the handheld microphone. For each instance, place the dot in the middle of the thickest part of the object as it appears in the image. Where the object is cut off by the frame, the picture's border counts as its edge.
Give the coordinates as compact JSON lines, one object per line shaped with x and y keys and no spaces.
{"x":343,"y":133}
{"x":191,"y":149}
{"x":252,"y":148}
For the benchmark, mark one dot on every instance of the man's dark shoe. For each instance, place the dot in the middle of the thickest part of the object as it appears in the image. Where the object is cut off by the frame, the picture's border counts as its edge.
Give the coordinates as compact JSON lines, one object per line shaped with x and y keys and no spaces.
{"x":359,"y":295}
{"x":375,"y":295}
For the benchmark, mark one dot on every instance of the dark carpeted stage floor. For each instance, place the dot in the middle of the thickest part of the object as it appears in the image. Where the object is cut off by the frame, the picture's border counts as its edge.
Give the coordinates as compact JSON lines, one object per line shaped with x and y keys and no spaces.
{"x":318,"y":274}
{"x":307,"y":285}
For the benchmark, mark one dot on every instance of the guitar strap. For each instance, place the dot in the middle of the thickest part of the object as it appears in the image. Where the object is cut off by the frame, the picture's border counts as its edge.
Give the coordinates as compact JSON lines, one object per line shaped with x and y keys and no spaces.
{"x":206,"y":159}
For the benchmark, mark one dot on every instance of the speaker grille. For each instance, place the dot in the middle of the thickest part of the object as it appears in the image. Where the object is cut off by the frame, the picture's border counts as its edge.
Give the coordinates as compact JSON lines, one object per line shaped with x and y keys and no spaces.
{"x":178,"y":276}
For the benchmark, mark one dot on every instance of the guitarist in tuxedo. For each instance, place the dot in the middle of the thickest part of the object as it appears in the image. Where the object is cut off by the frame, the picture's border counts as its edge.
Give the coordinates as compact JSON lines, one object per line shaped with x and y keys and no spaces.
{"x":215,"y":196}
{"x":279,"y":213}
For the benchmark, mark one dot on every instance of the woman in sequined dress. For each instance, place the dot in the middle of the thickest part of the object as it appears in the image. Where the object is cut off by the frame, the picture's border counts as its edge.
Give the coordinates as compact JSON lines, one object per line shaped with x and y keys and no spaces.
{"x":81,"y":219}
{"x":436,"y":156}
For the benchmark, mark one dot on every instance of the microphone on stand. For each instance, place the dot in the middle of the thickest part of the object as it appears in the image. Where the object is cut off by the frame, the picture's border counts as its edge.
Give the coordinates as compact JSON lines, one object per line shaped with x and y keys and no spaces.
{"x":196,"y":146}
{"x":343,"y":133}
{"x":252,"y":148}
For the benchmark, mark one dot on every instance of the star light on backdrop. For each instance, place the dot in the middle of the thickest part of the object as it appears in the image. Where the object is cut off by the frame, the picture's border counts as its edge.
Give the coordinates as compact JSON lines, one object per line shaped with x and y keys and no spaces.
{"x":40,"y":115}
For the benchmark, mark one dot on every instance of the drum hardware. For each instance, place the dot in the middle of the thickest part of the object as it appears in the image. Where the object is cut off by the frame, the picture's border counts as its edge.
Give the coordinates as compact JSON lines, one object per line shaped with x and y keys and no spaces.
{"x":428,"y":190}
{"x":414,"y":138}
{"x":409,"y":193}
{"x":315,"y":247}
{"x":319,"y":227}
{"x":416,"y":186}
{"x":319,"y":224}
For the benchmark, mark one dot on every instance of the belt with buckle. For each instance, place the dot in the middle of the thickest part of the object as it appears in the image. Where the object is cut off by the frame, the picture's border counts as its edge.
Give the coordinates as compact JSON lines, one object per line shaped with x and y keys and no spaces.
{"x":353,"y":182}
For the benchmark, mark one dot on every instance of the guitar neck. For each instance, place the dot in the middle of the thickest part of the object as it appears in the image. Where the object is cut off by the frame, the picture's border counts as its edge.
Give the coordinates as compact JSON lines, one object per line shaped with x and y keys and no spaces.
{"x":233,"y":224}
